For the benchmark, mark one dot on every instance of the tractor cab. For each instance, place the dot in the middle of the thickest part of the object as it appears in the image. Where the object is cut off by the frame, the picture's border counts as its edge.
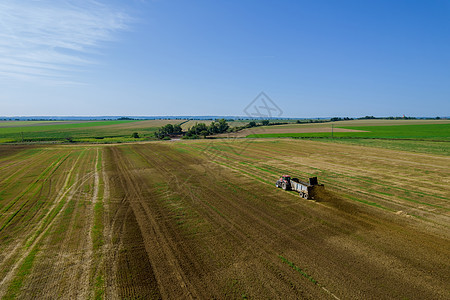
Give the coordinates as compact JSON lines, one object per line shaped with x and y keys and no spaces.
{"x":284,"y":182}
{"x":286,"y":178}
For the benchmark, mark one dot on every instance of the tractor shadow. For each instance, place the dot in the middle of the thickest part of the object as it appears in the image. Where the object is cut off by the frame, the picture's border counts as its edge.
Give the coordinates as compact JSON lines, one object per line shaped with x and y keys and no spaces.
{"x":335,"y":200}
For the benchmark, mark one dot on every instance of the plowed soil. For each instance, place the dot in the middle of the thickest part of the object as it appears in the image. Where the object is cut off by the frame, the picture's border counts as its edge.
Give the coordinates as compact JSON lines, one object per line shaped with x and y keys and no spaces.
{"x":196,"y":219}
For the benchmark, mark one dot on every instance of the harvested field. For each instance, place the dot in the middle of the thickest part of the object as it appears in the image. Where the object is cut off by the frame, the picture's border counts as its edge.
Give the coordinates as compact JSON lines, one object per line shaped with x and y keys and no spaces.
{"x":284,"y":129}
{"x":202,"y":219}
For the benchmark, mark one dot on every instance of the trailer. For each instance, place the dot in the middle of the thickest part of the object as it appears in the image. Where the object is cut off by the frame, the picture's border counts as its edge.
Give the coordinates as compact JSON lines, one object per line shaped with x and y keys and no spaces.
{"x":306,"y":190}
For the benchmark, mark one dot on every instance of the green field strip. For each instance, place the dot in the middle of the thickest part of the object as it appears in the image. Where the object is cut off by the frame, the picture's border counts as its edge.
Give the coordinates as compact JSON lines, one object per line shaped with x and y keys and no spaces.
{"x":22,"y":273}
{"x":87,"y":132}
{"x":59,"y":127}
{"x":438,"y":132}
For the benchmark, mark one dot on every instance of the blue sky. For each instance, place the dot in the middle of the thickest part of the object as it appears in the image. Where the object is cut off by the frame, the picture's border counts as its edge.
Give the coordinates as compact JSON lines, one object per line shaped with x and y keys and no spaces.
{"x":202,"y":57}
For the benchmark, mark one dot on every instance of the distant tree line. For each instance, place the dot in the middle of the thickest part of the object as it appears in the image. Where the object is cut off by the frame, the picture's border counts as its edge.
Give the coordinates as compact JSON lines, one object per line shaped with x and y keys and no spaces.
{"x":340,"y":119}
{"x":194,"y":132}
{"x":387,"y":118}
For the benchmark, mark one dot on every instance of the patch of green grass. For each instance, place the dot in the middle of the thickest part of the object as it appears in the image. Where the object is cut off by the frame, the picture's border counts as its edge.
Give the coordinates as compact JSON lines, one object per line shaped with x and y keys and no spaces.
{"x":440,"y":132}
{"x":299,"y":270}
{"x":87,"y":132}
{"x":22,"y":273}
{"x":97,"y":228}
{"x":99,"y":284}
{"x":36,"y":185}
{"x":366,"y":202}
{"x":58,"y":127}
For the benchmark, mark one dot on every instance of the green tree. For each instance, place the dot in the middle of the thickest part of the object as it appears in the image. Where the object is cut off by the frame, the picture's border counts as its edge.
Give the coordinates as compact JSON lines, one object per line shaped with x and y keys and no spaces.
{"x":177,"y":129}
{"x":213,"y":128}
{"x":204,"y":133}
{"x":168,"y":129}
{"x":135,"y":135}
{"x":223,"y":125}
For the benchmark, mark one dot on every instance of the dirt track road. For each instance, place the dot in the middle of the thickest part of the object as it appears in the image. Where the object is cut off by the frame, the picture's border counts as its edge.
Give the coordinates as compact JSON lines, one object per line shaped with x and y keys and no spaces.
{"x":190,"y":220}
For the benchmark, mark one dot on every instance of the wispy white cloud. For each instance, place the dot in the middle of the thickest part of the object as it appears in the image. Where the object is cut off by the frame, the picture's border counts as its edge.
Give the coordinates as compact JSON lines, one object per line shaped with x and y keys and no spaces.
{"x":47,"y":40}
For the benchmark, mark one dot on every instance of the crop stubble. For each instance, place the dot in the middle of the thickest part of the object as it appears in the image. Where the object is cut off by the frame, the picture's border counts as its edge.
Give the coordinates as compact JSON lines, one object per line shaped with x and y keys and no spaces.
{"x":182,"y":223}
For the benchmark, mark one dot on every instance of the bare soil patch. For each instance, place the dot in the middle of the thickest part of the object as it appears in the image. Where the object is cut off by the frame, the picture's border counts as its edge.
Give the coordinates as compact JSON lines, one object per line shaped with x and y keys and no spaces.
{"x":287,"y":129}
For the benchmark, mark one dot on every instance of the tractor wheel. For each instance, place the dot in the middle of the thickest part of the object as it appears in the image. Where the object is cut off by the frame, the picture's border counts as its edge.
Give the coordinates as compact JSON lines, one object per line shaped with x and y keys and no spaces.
{"x":305,"y":196}
{"x":284,"y":186}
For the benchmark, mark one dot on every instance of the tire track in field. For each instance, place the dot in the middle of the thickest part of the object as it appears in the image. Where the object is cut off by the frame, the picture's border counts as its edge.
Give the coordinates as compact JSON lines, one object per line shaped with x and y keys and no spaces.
{"x":44,"y":176}
{"x":252,"y":229}
{"x":258,"y":227}
{"x":87,"y":258}
{"x":73,"y":249}
{"x":128,"y":270}
{"x":70,"y":192}
{"x":22,"y":166}
{"x":67,"y":240}
{"x":399,"y":204}
{"x":400,"y":260}
{"x":17,"y":159}
{"x":116,"y":217}
{"x":6,"y":280}
{"x":230,"y":228}
{"x":40,"y":226}
{"x":159,"y":247}
{"x":110,"y":252}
